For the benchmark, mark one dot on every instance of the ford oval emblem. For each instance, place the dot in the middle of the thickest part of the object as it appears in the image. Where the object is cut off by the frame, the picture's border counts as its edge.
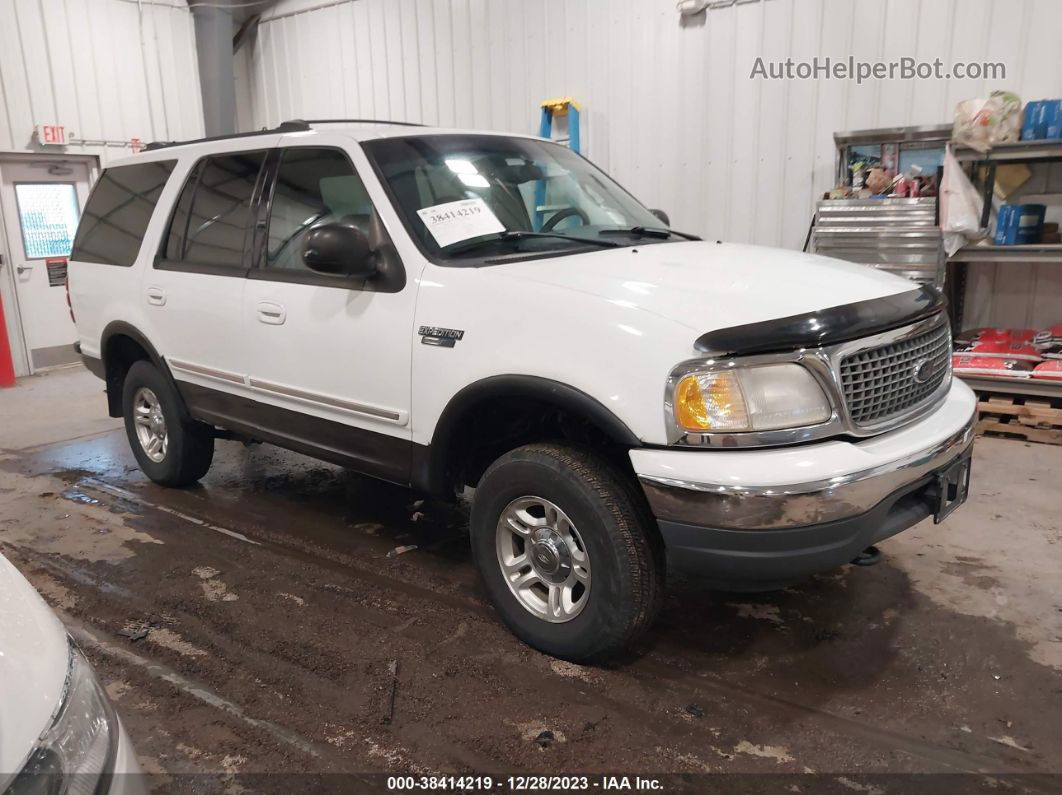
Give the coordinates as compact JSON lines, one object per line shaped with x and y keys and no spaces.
{"x":922,"y":371}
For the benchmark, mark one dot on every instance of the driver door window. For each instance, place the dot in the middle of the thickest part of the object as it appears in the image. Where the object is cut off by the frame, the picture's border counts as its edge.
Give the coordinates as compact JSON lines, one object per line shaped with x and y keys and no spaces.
{"x":313,"y":187}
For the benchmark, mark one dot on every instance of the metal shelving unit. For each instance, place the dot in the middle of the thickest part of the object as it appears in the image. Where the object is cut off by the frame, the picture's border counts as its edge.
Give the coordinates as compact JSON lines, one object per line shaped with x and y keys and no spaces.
{"x":1013,"y":386}
{"x":1019,"y":152}
{"x":1037,"y":253}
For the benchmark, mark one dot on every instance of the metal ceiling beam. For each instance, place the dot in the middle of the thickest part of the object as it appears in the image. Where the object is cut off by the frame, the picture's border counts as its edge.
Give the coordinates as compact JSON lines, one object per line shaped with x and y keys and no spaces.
{"x":246,"y":32}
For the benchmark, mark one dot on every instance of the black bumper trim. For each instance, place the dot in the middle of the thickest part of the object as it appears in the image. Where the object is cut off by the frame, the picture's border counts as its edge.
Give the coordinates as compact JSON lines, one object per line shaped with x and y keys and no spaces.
{"x":94,"y":366}
{"x":763,"y":560}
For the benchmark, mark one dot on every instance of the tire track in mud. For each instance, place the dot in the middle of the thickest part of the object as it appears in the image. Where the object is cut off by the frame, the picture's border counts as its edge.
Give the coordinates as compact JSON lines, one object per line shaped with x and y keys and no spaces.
{"x":429,"y":635}
{"x":89,"y":638}
{"x":281,"y":544}
{"x":231,"y":660}
{"x":651,"y":673}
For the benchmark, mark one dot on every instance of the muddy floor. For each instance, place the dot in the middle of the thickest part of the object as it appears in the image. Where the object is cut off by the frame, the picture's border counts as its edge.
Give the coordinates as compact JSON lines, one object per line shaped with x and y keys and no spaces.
{"x":286,"y":615}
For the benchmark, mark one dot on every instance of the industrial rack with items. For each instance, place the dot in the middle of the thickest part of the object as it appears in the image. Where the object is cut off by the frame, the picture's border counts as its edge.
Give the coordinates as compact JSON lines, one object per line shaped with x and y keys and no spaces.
{"x":885,"y":213}
{"x":1017,"y":373}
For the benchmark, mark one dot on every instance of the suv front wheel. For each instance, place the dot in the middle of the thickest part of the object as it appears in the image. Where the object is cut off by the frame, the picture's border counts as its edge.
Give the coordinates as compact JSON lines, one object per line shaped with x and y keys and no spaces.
{"x":170,"y":451}
{"x":566,"y":551}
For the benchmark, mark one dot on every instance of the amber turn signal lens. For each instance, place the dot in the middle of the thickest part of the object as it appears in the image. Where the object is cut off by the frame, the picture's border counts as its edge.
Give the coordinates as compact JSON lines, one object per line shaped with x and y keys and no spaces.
{"x":710,"y":402}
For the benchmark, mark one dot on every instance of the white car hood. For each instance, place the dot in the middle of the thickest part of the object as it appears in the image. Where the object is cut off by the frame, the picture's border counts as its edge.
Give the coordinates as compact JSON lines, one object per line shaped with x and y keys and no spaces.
{"x":707,"y":286}
{"x":33,"y":665}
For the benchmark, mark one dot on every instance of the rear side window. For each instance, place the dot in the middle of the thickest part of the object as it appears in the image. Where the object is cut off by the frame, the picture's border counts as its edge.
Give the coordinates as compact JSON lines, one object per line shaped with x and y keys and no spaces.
{"x":118,"y":211}
{"x":211,"y":222}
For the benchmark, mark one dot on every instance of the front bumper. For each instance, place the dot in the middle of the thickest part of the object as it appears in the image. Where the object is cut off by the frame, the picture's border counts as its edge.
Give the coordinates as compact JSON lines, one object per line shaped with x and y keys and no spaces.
{"x":760,"y":518}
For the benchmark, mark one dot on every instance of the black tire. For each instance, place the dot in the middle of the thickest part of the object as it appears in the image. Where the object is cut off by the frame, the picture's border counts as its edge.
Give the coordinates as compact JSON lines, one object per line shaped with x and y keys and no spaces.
{"x":190,"y":444}
{"x":613,"y":522}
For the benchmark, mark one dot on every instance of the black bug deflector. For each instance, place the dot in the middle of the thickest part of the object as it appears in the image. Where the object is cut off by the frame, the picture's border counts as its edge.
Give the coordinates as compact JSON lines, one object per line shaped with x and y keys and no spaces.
{"x":824,"y":326}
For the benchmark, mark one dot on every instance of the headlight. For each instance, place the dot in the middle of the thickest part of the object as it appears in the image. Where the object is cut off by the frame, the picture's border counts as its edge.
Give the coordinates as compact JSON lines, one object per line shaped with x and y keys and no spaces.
{"x":79,"y":748}
{"x":758,"y":398}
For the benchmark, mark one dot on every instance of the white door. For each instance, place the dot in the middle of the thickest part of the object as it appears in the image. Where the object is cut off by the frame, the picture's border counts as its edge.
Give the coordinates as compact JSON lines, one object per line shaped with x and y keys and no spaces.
{"x":42,"y":202}
{"x":330,"y":355}
{"x":192,"y":293}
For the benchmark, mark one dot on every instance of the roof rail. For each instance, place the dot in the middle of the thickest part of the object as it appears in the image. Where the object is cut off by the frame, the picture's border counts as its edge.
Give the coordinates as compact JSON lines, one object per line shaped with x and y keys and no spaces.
{"x":292,"y":125}
{"x":283,"y":127}
{"x":355,"y":121}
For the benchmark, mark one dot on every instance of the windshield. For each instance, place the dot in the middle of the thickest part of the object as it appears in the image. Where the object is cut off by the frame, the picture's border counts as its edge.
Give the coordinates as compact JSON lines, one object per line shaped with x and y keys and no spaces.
{"x":464,"y":196}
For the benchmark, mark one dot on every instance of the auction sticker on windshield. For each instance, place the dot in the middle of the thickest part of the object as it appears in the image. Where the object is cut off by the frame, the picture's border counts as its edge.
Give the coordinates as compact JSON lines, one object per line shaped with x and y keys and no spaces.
{"x":461,"y":220}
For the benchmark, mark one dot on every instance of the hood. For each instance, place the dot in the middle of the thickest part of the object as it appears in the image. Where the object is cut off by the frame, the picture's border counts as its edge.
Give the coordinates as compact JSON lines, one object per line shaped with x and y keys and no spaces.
{"x":707,"y":286}
{"x":33,"y":664}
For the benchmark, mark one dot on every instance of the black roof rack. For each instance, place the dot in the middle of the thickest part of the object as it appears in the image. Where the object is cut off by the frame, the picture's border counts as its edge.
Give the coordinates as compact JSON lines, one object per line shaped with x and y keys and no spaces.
{"x":283,"y":127}
{"x":356,"y":121}
{"x":292,"y":125}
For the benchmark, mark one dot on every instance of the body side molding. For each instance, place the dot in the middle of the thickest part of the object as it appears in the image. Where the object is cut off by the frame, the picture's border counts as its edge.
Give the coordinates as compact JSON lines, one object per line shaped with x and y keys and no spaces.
{"x":372,"y":453}
{"x":209,"y":372}
{"x":391,"y":415}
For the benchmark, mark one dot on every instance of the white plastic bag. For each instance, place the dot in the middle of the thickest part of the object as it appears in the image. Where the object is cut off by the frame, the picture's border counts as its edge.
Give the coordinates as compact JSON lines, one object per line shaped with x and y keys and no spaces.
{"x":960,"y":206}
{"x":982,"y":123}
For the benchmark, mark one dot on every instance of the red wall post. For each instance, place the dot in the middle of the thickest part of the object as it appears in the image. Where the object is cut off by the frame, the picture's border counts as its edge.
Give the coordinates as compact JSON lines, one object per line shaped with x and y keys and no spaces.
{"x":7,"y":365}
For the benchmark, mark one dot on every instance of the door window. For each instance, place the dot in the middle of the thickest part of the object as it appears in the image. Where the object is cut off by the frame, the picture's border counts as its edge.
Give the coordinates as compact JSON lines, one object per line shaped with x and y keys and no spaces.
{"x":118,"y":211}
{"x":212,"y":218}
{"x":47,"y":215}
{"x":313,"y":187}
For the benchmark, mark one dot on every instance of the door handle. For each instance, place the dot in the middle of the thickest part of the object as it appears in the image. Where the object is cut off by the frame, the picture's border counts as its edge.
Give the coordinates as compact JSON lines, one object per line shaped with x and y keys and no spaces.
{"x":23,"y":268}
{"x":156,"y":296}
{"x":271,"y":313}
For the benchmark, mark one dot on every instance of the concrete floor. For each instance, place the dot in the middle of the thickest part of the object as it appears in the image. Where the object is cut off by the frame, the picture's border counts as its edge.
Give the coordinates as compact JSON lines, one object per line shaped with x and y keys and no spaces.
{"x":262,"y":621}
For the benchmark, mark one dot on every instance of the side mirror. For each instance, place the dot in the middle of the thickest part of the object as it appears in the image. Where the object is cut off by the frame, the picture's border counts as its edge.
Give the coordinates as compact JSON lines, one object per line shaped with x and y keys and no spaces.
{"x":338,"y":250}
{"x":662,"y":216}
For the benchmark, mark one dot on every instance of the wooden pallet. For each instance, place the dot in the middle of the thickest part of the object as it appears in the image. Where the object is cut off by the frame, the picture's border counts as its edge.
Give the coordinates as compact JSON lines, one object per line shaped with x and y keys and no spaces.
{"x":1034,"y":419}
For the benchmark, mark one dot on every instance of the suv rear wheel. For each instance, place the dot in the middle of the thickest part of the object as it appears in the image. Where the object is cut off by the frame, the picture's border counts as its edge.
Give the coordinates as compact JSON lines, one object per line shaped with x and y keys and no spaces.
{"x":565,"y":548}
{"x":170,"y":451}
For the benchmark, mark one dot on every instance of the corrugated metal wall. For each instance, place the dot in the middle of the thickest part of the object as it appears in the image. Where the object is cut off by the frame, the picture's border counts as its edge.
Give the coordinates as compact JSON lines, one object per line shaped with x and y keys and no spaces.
{"x":108,"y":70}
{"x":671,"y":110}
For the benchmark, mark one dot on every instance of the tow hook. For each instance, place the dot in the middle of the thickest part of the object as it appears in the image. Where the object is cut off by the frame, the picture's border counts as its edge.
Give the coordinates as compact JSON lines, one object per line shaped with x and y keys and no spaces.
{"x":868,"y":557}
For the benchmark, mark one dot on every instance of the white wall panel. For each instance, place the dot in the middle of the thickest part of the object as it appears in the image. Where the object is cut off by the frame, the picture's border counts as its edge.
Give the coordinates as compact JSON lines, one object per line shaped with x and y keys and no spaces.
{"x":671,"y":110}
{"x":108,"y":70}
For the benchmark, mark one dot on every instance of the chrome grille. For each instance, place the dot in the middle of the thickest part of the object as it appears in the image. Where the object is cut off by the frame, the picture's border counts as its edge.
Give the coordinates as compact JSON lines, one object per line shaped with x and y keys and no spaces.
{"x":879,"y":383}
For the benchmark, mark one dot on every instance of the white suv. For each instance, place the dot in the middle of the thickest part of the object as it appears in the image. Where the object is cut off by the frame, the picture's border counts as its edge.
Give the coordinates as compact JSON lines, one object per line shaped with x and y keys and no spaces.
{"x":447,"y":309}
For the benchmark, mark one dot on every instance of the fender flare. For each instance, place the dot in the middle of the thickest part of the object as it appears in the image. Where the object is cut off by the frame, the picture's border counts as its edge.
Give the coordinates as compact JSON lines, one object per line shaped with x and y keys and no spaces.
{"x":120,"y":327}
{"x":114,"y":390}
{"x":430,"y":463}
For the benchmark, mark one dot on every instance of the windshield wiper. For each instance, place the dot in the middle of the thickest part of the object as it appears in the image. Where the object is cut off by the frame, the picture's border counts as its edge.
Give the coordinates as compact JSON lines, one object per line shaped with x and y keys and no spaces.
{"x":517,"y":234}
{"x":649,"y":231}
